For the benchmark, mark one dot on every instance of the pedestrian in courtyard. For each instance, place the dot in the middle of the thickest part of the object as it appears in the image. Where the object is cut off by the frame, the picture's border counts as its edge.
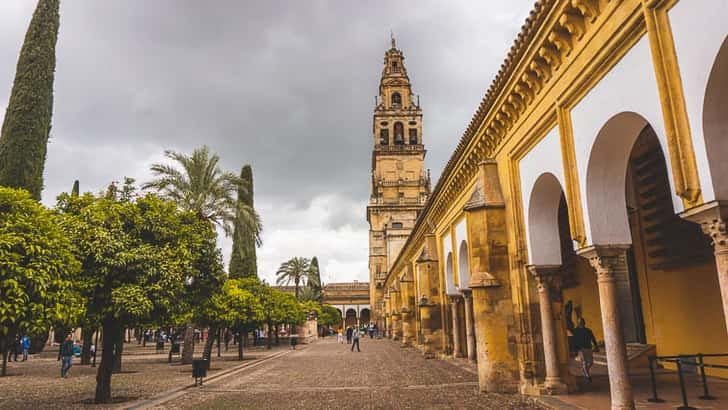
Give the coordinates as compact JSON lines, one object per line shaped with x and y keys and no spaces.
{"x":66,"y":353}
{"x":349,"y":332}
{"x":583,"y":339}
{"x":371,"y":330}
{"x":355,"y":340}
{"x":340,"y":336}
{"x":15,"y":349}
{"x":25,"y":344}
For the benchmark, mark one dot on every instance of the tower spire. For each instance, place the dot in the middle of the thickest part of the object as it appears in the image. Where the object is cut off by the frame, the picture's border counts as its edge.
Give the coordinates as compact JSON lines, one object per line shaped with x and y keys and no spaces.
{"x":391,"y":36}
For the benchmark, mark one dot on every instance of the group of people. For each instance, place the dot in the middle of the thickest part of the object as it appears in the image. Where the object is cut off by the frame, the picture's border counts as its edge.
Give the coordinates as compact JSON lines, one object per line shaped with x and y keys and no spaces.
{"x":352,"y":335}
{"x":21,"y":345}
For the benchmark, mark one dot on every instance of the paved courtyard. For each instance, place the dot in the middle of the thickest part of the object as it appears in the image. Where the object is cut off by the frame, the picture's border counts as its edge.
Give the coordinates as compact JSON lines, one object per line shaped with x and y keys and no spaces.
{"x":327,"y":375}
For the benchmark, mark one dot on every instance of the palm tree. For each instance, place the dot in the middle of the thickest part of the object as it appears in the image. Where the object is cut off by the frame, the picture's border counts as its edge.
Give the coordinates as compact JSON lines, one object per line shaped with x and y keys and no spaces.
{"x":197,"y":184}
{"x":200,"y":186}
{"x":296,"y":270}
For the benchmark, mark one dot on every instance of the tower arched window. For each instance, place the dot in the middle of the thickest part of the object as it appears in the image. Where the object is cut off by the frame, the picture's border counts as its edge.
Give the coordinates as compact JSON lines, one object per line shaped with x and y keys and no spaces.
{"x":396,"y":100}
{"x":398,"y":133}
{"x":384,"y":136}
{"x":413,"y":136}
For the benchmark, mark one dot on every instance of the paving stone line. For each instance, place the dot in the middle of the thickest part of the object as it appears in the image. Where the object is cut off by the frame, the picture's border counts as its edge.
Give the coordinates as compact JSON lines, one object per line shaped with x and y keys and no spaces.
{"x":277,"y":388}
{"x":180,"y":391}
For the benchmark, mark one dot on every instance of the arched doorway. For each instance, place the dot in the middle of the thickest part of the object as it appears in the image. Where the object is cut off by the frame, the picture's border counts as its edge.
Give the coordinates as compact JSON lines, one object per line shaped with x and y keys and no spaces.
{"x":364,"y":316}
{"x":463,"y":266}
{"x":350,"y":319}
{"x":665,"y":281}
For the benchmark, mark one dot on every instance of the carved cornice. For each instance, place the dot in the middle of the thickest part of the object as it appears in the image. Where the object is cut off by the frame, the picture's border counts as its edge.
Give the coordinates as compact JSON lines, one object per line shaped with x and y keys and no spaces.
{"x":548,"y":37}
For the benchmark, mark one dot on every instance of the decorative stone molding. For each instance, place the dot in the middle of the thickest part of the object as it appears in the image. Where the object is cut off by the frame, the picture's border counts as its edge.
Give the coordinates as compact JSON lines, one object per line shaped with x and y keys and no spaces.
{"x":669,"y":85}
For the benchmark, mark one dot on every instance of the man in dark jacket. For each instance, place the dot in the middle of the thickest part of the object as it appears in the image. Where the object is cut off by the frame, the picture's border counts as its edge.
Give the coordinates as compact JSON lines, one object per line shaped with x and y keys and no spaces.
{"x":66,"y":353}
{"x":349,"y":332}
{"x":583,"y":340}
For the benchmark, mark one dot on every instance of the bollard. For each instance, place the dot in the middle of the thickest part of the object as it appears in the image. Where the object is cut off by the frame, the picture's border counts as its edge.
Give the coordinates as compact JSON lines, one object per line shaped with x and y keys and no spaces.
{"x":706,"y":395}
{"x":682,"y":387}
{"x":654,"y":398}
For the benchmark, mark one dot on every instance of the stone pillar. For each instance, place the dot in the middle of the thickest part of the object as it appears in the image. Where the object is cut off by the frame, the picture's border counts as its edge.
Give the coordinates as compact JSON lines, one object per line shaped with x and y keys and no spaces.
{"x":456,"y":348}
{"x":426,"y":309}
{"x":496,"y":324}
{"x":544,"y":275}
{"x":407,"y":285}
{"x":712,"y":219}
{"x":406,"y":327}
{"x":604,"y":259}
{"x":469,"y":325}
{"x":497,"y":362}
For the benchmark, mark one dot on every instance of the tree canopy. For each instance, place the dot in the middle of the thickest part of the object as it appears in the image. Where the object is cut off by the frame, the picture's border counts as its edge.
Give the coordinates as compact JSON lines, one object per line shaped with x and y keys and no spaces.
{"x":37,"y":268}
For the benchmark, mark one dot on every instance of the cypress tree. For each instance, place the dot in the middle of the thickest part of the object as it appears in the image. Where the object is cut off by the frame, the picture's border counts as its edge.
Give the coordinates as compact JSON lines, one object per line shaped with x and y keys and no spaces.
{"x":243,"y":261}
{"x":27,"y":123}
{"x":75,"y":189}
{"x":316,"y":284}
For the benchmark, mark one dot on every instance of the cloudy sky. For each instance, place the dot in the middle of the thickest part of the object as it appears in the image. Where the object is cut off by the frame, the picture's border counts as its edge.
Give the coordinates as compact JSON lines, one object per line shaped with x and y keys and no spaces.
{"x":287,"y":86}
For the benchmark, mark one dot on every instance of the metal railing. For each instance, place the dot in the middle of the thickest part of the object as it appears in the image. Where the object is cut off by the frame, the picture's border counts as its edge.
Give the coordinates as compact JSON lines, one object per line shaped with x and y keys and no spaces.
{"x":696,"y":360}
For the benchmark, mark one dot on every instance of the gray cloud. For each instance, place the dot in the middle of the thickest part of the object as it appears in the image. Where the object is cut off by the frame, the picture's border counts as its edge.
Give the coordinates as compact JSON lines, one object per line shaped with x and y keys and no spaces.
{"x":287,"y":86}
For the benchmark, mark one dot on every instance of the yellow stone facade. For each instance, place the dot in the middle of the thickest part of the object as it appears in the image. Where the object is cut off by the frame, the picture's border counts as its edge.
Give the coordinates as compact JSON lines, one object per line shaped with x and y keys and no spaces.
{"x":579,"y":189}
{"x":399,"y":184}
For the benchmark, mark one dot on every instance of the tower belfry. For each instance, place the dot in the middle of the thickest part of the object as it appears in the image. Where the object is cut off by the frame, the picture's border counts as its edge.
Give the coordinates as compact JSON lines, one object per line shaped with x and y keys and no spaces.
{"x":400,"y":185}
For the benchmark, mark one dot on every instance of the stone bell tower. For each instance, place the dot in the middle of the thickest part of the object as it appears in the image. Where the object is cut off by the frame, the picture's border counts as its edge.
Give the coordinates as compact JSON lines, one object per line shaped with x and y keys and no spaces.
{"x":400,"y":185}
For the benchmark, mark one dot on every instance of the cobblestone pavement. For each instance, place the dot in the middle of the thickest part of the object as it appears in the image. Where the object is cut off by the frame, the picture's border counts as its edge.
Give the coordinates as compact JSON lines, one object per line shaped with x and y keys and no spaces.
{"x":37,"y":383}
{"x":327,"y":375}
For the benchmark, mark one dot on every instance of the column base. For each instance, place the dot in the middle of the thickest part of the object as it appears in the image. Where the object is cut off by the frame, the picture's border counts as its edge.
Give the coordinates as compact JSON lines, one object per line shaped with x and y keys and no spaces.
{"x":553,"y":388}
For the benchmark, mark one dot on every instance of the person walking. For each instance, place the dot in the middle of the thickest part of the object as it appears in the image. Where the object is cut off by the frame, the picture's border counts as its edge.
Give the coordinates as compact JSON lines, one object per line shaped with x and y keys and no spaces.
{"x":583,"y":339}
{"x":371,"y":330}
{"x":340,"y":336}
{"x":349,"y":332}
{"x":355,"y":340}
{"x":25,"y":343}
{"x":66,"y":353}
{"x":15,"y":349}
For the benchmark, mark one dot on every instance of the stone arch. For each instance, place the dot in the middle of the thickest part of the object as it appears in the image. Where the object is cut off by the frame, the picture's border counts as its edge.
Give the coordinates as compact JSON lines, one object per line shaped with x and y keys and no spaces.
{"x":351,"y":317}
{"x":606,"y":178}
{"x":364,"y":316}
{"x":464,"y":265}
{"x":450,"y":275}
{"x":715,"y":122}
{"x":543,"y":221}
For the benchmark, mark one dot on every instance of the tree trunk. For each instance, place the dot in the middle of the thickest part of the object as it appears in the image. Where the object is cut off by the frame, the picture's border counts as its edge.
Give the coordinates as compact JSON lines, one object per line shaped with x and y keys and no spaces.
{"x":5,"y":352}
{"x":118,"y":350}
{"x":219,"y":337}
{"x":103,"y":378}
{"x":240,"y":345}
{"x":87,"y":335}
{"x":188,"y":350}
{"x":207,"y":352}
{"x":270,"y":335}
{"x":278,"y":342}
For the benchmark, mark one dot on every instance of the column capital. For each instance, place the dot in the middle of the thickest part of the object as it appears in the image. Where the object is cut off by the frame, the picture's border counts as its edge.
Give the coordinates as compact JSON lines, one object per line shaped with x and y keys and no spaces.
{"x":712,"y":218}
{"x":545,"y":275}
{"x":604,"y":259}
{"x":455,"y":299}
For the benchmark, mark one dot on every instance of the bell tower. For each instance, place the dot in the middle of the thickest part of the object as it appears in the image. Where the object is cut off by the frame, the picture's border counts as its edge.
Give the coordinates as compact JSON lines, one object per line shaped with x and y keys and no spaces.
{"x":400,"y":186}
